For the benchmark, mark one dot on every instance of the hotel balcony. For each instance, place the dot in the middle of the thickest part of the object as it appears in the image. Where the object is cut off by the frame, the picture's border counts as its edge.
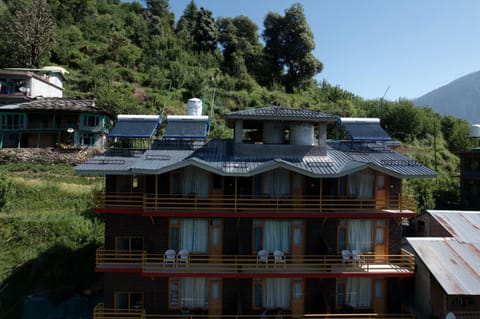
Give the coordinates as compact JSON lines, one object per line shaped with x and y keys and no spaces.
{"x":251,"y":266}
{"x":248,"y":206}
{"x":100,"y":312}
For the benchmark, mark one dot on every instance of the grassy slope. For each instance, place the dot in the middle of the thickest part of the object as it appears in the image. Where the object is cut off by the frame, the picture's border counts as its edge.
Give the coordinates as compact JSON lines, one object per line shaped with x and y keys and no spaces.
{"x":48,"y":234}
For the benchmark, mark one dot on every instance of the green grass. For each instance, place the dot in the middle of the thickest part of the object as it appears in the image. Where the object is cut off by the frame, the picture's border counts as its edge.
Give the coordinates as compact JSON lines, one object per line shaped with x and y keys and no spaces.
{"x":48,"y":233}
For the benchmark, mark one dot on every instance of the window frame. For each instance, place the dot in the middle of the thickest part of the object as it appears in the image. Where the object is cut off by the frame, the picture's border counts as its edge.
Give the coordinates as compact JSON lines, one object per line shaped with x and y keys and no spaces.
{"x":258,"y":282}
{"x":340,"y":283}
{"x":130,"y":238}
{"x":339,"y":228}
{"x":129,"y":296}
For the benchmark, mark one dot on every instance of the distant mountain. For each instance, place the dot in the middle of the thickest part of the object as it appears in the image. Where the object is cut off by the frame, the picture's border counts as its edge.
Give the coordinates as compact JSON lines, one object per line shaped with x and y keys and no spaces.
{"x":460,"y":98}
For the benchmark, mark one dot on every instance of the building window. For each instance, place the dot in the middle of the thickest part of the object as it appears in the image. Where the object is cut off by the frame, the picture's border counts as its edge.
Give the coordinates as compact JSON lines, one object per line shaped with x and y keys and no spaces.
{"x":129,"y":300}
{"x":128,"y":243}
{"x":271,"y":293}
{"x":188,"y":293}
{"x":340,"y":294}
{"x":271,"y":235}
{"x":191,"y":234}
{"x":342,"y":238}
{"x":354,"y":292}
{"x":87,"y":139}
{"x":460,"y":300}
{"x":91,"y":120}
{"x":12,"y":121}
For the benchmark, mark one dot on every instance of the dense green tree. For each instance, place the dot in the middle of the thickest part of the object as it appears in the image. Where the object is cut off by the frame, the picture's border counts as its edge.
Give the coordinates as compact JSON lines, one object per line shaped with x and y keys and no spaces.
{"x":456,"y":132}
{"x":205,"y":34}
{"x":288,"y":45}
{"x":239,"y":40}
{"x":31,"y":33}
{"x":186,"y":23}
{"x":161,"y":9}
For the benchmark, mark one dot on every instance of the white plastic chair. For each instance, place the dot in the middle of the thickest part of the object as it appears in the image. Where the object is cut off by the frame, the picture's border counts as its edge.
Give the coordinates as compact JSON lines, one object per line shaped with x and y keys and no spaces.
{"x":346,"y":256}
{"x":183,"y":257}
{"x":356,"y":255}
{"x":169,"y":257}
{"x":279,"y":258}
{"x":262,"y":257}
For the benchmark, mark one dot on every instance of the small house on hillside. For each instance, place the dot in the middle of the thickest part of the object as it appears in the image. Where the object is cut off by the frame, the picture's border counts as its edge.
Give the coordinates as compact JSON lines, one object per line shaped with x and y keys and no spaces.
{"x":47,"y":122}
{"x":447,"y":279}
{"x":20,"y":85}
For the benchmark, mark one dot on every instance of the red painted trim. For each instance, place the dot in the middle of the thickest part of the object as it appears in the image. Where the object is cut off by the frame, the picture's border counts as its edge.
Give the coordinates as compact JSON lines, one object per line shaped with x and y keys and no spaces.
{"x":118,"y":210}
{"x":278,"y":274}
{"x":119,"y":270}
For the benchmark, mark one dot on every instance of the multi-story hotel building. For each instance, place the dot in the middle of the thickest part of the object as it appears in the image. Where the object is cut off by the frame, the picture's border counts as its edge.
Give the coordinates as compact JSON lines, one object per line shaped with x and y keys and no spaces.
{"x":277,"y":221}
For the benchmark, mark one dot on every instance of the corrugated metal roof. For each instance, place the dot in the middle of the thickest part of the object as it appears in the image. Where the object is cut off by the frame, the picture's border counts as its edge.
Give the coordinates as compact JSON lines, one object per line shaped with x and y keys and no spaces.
{"x":453,"y":264}
{"x":217,"y":156}
{"x":462,"y":225}
{"x":280,"y":113}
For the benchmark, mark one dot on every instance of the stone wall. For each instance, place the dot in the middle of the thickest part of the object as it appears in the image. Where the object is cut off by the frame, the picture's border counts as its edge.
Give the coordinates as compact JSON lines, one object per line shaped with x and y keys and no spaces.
{"x":47,"y":155}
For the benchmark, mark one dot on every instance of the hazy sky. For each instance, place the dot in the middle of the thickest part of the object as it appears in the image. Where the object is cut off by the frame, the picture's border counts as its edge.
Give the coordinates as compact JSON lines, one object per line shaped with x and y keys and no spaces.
{"x":408,"y":46}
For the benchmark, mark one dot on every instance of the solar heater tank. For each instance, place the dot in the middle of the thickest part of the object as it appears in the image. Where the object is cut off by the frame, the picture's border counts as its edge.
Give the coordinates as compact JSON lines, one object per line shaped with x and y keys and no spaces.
{"x":273,"y":132}
{"x":301,"y":134}
{"x":194,"y":107}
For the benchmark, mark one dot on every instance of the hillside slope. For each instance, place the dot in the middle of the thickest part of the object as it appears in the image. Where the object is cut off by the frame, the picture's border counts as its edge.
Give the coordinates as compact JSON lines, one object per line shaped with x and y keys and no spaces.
{"x":460,"y":98}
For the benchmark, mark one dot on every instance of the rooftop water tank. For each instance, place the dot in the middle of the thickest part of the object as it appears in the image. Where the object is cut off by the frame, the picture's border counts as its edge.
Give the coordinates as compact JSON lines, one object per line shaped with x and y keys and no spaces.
{"x":475,"y":131}
{"x":194,"y":107}
{"x":273,"y":133}
{"x":301,"y":134}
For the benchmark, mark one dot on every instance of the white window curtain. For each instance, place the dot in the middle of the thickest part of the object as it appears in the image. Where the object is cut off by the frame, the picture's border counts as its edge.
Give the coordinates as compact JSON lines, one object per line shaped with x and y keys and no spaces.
{"x":276,"y":182}
{"x":194,"y":234}
{"x":196,"y":181}
{"x":277,"y":293}
{"x":276,"y":235}
{"x":361,"y":184}
{"x":359,"y":292}
{"x":194,"y":293}
{"x":360,"y":234}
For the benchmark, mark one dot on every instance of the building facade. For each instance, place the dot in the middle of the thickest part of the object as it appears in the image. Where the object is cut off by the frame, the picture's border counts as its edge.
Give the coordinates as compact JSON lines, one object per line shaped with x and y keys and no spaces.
{"x":277,"y":221}
{"x":51,"y":122}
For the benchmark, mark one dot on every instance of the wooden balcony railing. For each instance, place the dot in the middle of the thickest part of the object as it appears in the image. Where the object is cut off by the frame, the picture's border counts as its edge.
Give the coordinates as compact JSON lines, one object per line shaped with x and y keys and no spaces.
{"x":151,"y":202}
{"x":249,"y":264}
{"x":100,"y":312}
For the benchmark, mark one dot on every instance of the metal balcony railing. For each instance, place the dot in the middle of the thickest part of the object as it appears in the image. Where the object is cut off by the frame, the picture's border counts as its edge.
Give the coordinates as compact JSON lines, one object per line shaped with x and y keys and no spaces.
{"x":100,"y":312}
{"x":251,"y":264}
{"x":151,"y":202}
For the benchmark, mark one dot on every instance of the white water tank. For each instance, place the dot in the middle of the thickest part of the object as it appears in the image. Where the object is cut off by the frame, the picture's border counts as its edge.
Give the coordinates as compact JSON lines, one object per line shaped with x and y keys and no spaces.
{"x":194,"y":107}
{"x":302,"y":134}
{"x":475,"y":130}
{"x":273,"y":133}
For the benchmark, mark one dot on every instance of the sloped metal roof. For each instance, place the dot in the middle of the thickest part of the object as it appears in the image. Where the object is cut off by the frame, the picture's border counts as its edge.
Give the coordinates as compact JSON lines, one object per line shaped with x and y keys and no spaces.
{"x":217,"y":156}
{"x":462,"y":225}
{"x":453,"y":264}
{"x":279,"y":113}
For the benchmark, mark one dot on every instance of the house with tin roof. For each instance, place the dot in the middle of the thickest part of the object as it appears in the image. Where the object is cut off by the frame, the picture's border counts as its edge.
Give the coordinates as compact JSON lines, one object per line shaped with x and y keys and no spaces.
{"x":277,"y":221}
{"x":33,"y":112}
{"x":447,"y":281}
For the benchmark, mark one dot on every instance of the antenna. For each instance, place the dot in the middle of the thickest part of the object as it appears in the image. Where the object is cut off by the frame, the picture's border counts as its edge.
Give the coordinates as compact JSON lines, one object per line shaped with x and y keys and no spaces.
{"x":388,"y":88}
